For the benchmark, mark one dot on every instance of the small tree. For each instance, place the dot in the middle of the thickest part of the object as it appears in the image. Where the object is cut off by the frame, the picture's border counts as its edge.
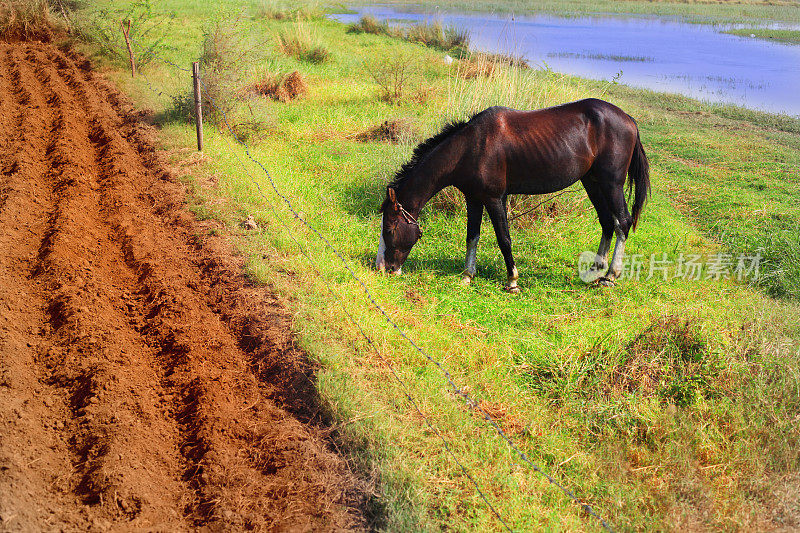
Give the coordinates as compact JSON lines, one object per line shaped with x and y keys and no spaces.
{"x":394,"y":74}
{"x":144,"y":27}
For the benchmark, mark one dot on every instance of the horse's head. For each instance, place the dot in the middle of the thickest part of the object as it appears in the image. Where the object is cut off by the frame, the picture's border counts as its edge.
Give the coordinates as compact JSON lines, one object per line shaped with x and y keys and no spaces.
{"x":399,"y":233}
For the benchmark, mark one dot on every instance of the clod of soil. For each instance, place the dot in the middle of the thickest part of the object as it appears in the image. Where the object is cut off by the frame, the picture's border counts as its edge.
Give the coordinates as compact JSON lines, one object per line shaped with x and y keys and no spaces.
{"x":145,"y":384}
{"x":250,"y":223}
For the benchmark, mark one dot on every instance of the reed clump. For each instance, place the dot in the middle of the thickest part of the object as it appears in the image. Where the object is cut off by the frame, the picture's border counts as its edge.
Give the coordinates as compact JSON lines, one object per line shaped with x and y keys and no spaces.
{"x":283,"y":11}
{"x":431,"y":34}
{"x":371,"y":25}
{"x":301,"y":44}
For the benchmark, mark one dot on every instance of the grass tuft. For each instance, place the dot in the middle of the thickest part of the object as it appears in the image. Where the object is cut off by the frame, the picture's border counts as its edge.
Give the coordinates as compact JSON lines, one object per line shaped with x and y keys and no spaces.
{"x":435,"y":35}
{"x":301,"y":44}
{"x":26,"y":20}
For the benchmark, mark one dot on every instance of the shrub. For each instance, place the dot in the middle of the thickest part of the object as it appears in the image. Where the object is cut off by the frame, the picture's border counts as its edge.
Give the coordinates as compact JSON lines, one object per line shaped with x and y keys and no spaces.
{"x":148,"y":32}
{"x":227,"y":55}
{"x":182,"y":108}
{"x":219,"y":73}
{"x":394,"y":75}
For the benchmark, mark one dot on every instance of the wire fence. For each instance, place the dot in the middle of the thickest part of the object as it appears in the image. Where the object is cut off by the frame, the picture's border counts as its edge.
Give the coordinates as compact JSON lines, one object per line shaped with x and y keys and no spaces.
{"x":469,"y":401}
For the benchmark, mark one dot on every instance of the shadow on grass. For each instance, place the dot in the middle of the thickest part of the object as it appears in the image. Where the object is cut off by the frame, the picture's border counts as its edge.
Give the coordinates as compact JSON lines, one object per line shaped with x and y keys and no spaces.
{"x":534,"y":272}
{"x":362,"y":198}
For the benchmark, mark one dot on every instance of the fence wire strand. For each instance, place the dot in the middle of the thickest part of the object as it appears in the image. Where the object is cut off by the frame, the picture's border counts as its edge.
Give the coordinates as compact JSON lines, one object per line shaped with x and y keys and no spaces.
{"x":404,"y":388}
{"x":470,"y":402}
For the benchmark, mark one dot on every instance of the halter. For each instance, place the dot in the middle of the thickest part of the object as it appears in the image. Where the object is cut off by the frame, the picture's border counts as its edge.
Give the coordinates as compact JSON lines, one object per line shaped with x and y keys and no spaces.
{"x":407,"y":216}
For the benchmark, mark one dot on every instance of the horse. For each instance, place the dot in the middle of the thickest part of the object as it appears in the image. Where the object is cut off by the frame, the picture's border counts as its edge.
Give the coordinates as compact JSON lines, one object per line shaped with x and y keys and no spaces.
{"x":502,"y":151}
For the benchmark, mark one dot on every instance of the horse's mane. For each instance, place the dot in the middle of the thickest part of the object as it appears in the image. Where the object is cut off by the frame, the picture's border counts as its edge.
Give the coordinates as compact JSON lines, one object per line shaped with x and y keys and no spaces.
{"x":423,"y":149}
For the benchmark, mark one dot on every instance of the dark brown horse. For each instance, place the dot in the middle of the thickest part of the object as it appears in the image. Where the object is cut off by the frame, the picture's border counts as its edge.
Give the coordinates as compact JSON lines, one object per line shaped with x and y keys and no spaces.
{"x":502,"y":151}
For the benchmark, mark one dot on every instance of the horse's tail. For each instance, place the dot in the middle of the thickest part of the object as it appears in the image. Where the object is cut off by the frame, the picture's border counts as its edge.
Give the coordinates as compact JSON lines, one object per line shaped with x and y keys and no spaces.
{"x":638,"y":179}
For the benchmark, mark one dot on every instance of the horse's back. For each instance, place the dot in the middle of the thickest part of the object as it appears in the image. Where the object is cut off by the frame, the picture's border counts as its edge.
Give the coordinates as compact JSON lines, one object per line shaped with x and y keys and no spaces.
{"x":547,"y":149}
{"x":591,"y":110}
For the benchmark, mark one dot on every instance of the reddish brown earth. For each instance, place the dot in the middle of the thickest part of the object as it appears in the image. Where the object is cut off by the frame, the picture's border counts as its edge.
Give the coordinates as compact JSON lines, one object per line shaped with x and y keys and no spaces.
{"x":144,"y":384}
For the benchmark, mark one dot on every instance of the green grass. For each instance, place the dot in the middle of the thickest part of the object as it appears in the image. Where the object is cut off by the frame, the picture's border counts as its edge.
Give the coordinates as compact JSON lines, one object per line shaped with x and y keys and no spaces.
{"x":691,"y":11}
{"x":783,"y":36}
{"x":666,"y":405}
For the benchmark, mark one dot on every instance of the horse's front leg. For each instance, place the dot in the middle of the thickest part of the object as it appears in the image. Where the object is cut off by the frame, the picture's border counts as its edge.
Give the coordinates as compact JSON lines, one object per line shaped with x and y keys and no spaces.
{"x":497,"y":213}
{"x":474,"y":217}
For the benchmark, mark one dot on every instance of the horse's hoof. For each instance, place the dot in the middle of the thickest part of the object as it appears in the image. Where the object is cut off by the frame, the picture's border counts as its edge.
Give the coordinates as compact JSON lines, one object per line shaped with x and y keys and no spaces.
{"x":512,"y":290}
{"x":466,"y":280}
{"x":606,"y":282}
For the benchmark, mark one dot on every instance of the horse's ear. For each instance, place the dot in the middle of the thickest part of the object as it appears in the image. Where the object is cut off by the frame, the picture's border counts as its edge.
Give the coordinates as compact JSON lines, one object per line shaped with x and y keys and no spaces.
{"x":391,"y":195}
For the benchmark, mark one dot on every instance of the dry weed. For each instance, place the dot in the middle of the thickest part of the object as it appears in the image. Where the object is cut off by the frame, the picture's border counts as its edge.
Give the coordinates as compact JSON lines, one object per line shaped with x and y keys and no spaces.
{"x":398,"y":130}
{"x":26,"y":20}
{"x":282,"y":88}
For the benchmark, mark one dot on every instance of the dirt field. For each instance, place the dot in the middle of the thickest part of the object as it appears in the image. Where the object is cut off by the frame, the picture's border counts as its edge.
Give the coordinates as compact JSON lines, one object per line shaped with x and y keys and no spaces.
{"x":143,"y":383}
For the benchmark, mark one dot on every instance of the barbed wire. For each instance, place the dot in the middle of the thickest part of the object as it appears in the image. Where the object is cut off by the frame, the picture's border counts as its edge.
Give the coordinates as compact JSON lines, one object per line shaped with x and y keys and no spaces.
{"x":319,"y":275}
{"x":470,"y":402}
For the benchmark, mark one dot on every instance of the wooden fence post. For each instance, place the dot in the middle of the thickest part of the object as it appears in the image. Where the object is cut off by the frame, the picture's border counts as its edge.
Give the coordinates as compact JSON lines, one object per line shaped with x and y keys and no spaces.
{"x":198,"y":105}
{"x":127,"y":34}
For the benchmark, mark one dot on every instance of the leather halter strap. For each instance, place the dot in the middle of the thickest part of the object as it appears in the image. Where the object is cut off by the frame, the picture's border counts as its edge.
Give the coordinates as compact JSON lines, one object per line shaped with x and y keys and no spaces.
{"x":407,"y":216}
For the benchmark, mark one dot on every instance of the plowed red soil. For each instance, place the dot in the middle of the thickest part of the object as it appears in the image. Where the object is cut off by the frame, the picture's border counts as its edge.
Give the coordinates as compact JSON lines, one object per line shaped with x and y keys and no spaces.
{"x":144,"y":384}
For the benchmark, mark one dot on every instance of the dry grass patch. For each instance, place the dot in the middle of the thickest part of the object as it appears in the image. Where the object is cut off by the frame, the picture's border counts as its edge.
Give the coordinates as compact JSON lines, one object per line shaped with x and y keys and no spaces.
{"x":667,"y":358}
{"x":393,"y":130}
{"x":486,"y":65}
{"x":26,"y":20}
{"x":282,"y":88}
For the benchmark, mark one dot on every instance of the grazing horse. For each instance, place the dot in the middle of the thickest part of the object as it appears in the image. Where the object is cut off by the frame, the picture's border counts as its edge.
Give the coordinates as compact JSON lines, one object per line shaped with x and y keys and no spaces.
{"x":502,"y":151}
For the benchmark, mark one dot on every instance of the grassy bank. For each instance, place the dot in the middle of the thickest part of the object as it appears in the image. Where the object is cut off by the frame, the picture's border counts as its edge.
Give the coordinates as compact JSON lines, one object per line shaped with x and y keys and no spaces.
{"x":781,"y":36}
{"x":708,"y":12}
{"x":665,"y":404}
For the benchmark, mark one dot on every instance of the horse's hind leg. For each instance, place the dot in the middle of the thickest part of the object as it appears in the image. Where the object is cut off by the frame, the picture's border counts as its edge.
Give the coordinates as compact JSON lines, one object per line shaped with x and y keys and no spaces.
{"x":474,"y":216}
{"x":615,"y":195}
{"x":497,"y":213}
{"x":606,"y":223}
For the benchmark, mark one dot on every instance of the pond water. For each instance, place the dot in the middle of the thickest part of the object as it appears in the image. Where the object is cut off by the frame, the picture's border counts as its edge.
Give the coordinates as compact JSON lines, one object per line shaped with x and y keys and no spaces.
{"x":655,"y":53}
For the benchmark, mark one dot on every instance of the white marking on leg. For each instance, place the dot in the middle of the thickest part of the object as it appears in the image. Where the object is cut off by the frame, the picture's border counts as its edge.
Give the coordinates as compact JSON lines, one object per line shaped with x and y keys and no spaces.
{"x":380,"y":263}
{"x":512,"y":279}
{"x":471,"y":260}
{"x":615,"y":270}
